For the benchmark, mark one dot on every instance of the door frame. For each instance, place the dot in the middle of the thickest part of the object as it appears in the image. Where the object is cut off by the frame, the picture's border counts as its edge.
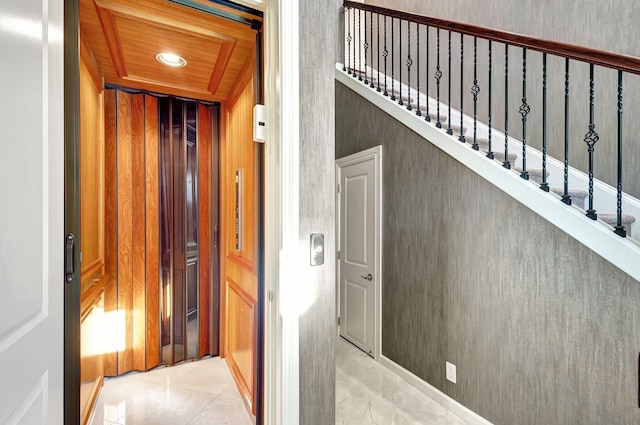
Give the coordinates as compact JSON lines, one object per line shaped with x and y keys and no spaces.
{"x":281,"y":343}
{"x":374,"y":153}
{"x":71,"y":374}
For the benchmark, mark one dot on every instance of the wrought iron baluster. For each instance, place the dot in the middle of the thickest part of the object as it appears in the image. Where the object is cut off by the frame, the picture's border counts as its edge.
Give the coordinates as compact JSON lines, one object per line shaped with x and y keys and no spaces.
{"x":524,"y":111}
{"x":449,"y":129}
{"x":359,"y":41}
{"x":365,"y":46}
{"x":619,"y":229}
{"x":506,"y":163}
{"x":418,"y":112}
{"x":438,"y":76}
{"x":544,"y":185}
{"x":565,"y":197}
{"x":354,"y":45}
{"x":461,"y":136}
{"x":490,"y":154}
{"x":590,"y":139}
{"x":475,"y":89}
{"x":385,"y":53}
{"x":409,"y":63}
{"x":393,"y":75}
{"x":348,"y":39}
{"x":371,"y":45}
{"x":378,"y":46}
{"x":400,"y":63}
{"x":345,"y":13}
{"x":427,"y":117}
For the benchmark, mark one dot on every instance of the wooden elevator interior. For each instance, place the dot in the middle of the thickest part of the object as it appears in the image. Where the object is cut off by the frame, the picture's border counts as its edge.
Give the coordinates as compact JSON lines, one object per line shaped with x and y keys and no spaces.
{"x":128,"y":272}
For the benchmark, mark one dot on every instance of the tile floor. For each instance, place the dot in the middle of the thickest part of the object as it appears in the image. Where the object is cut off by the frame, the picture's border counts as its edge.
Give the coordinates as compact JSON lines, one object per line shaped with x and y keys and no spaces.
{"x":368,"y":393}
{"x":201,"y":392}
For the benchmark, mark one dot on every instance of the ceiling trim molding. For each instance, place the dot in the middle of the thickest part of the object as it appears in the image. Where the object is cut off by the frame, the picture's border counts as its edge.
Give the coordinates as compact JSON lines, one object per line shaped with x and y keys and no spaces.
{"x":162,"y":20}
{"x":244,"y":77}
{"x":226,"y":50}
{"x":112,"y":39}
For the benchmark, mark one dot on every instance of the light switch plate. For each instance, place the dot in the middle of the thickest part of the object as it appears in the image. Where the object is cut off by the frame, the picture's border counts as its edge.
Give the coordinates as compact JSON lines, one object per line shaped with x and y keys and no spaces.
{"x":316,"y":247}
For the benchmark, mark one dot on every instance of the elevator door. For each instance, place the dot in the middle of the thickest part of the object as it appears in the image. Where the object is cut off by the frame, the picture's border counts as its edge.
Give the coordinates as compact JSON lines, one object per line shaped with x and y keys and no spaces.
{"x":179,"y":230}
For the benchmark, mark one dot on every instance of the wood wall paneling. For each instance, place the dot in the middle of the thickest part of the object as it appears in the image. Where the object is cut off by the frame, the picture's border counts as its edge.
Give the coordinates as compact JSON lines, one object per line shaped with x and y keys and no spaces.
{"x":91,"y":179}
{"x":241,"y":338}
{"x":125,"y":232}
{"x":204,"y":196}
{"x":139,"y":231}
{"x":152,"y":234}
{"x":110,"y":230}
{"x":241,"y":284}
{"x":91,"y":362}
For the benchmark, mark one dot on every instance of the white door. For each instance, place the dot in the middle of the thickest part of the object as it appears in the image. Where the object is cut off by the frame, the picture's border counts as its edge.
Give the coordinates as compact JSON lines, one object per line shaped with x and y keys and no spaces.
{"x":32,"y":213}
{"x":359,"y":263}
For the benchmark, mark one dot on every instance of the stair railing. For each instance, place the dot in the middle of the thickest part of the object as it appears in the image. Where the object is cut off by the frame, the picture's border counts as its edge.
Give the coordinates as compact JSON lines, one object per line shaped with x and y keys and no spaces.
{"x":393,"y":52}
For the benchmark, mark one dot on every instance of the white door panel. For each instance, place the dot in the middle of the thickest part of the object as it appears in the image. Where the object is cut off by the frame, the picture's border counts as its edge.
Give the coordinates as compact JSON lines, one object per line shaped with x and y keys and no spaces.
{"x":359,"y":268}
{"x":32,"y":217}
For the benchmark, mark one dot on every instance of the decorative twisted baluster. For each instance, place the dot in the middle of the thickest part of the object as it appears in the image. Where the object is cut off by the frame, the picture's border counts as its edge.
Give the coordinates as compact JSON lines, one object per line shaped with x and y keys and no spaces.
{"x":438,"y":76}
{"x":590,"y":139}
{"x":619,"y":229}
{"x":544,"y":185}
{"x":359,"y":40}
{"x":371,"y":54}
{"x":354,"y":46}
{"x":461,"y":136}
{"x":348,"y":39}
{"x":565,"y":197}
{"x":524,"y":111}
{"x":385,"y":53}
{"x":490,"y":154}
{"x":365,"y":46}
{"x":475,"y":89}
{"x":506,"y":163}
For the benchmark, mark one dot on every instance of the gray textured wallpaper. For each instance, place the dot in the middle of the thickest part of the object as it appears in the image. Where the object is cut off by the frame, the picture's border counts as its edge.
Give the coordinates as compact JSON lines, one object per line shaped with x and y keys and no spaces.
{"x":541,"y":329}
{"x":318,"y":26}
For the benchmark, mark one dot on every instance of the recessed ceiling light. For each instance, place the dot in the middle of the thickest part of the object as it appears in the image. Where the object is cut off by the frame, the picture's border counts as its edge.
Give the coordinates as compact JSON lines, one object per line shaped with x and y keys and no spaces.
{"x":171,"y":59}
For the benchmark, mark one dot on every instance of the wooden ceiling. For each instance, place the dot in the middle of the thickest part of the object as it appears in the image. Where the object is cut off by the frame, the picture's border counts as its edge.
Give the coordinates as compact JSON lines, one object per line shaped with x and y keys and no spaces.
{"x":121,"y":38}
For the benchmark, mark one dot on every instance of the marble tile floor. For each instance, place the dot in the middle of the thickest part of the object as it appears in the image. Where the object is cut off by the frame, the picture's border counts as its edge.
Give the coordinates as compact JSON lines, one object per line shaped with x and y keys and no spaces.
{"x":368,"y":393}
{"x":192,"y":393}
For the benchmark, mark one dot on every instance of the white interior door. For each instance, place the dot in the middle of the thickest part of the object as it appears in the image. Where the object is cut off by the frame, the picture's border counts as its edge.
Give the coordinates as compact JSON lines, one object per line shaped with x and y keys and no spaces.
{"x":359,"y":264}
{"x":32,"y":213}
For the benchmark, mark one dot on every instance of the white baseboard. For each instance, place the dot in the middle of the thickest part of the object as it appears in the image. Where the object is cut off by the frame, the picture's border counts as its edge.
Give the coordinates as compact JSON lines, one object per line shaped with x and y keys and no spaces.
{"x":463,"y":412}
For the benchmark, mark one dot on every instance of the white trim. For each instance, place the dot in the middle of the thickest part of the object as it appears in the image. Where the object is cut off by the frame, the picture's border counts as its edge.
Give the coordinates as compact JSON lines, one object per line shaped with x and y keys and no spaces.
{"x":621,"y":252}
{"x":289,"y":119}
{"x":374,"y":153}
{"x":272,"y":334}
{"x":281,"y":385}
{"x":463,"y":412}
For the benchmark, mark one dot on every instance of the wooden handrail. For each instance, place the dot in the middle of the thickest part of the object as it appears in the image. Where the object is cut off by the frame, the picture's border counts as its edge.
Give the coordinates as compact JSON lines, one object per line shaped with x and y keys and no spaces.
{"x":603,"y":58}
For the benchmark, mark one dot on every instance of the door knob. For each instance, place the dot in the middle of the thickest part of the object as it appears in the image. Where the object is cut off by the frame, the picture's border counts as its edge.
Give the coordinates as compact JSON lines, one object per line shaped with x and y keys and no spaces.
{"x":367,"y":277}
